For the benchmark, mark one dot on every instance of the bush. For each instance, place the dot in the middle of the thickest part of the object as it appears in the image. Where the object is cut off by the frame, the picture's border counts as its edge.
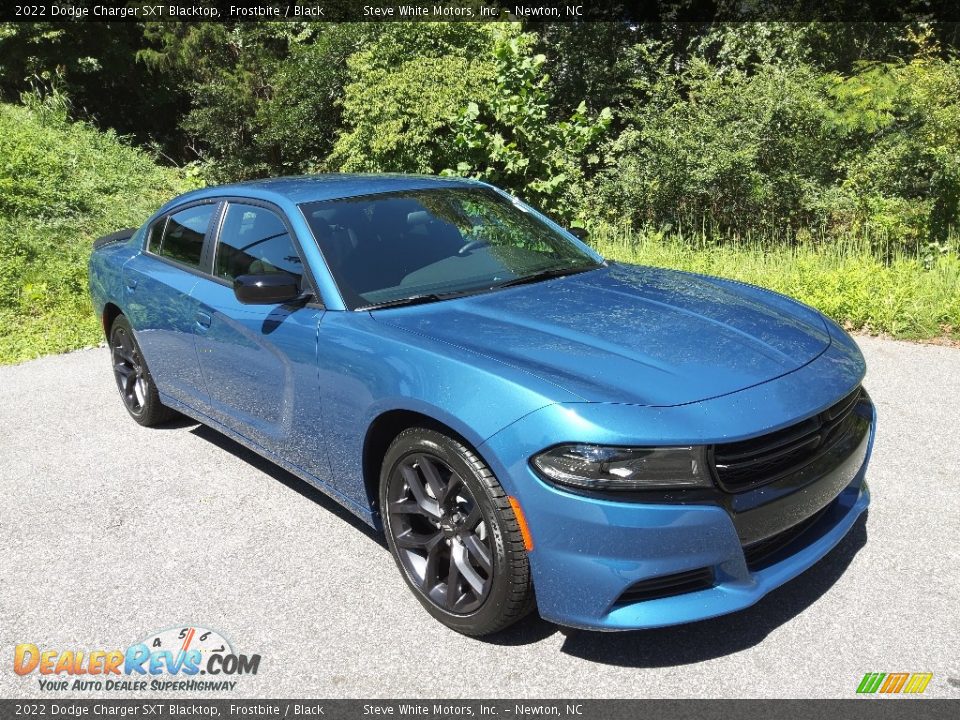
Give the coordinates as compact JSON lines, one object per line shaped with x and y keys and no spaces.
{"x":782,"y":149}
{"x":903,"y":119}
{"x":508,"y":138}
{"x":724,"y":151}
{"x":475,"y":101}
{"x":61,"y":185}
{"x":399,"y":107}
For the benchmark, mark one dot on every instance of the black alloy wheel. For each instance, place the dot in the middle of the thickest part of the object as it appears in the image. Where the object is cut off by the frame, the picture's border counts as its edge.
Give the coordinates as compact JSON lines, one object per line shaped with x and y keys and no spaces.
{"x":129,"y":370}
{"x":134,"y":381}
{"x":440,"y":533}
{"x":453,"y":534}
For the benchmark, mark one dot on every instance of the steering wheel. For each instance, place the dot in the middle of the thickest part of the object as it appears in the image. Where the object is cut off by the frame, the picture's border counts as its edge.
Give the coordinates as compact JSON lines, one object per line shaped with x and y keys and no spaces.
{"x":472,"y":245}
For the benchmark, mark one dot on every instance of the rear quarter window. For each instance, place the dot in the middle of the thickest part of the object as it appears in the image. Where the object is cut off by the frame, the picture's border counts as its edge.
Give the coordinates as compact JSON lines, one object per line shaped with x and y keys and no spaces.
{"x":180,"y":238}
{"x":155,"y":235}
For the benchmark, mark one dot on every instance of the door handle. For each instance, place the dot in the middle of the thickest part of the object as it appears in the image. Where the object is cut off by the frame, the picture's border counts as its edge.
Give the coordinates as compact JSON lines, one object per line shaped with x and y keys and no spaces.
{"x":203,"y":319}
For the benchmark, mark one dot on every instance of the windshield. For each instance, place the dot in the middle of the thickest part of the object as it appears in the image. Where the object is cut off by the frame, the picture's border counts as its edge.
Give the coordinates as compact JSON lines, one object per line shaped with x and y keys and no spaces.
{"x":427,"y":245}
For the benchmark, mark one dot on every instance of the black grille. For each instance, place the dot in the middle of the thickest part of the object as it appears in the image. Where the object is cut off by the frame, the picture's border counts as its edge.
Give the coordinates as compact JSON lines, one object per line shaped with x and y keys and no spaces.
{"x":759,"y":554}
{"x":744,"y":465}
{"x":668,"y":586}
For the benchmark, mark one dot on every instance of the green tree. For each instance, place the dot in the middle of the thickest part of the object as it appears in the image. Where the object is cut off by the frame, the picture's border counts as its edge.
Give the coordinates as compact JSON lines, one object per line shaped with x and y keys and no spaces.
{"x":508,"y":138}
{"x":96,"y":65}
{"x":723,"y":150}
{"x":406,"y":89}
{"x":303,"y":114}
{"x":227,"y":71}
{"x":475,"y":101}
{"x":903,"y":181}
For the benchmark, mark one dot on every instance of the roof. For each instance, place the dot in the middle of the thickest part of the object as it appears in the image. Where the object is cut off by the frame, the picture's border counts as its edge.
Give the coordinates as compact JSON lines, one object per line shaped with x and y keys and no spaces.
{"x":313,"y":188}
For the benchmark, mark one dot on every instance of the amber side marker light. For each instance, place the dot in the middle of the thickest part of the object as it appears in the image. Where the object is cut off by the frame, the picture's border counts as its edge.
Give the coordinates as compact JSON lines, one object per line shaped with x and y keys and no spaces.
{"x":522,"y":522}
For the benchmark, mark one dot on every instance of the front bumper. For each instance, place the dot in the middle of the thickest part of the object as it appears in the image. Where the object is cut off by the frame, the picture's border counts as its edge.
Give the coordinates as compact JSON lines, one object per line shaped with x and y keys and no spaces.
{"x":588,"y":551}
{"x":735,"y":588}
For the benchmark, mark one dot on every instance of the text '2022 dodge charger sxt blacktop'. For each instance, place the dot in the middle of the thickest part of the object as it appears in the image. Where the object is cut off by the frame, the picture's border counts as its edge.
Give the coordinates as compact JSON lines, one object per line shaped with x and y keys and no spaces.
{"x":640,"y":447}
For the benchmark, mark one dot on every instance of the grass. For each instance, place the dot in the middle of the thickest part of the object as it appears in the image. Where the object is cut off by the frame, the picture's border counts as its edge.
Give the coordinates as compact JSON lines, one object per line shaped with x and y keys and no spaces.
{"x":62,"y":184}
{"x":889,"y":293}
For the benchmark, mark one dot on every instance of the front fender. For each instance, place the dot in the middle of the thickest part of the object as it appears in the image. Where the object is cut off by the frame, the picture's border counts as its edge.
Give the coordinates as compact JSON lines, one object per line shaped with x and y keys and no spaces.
{"x":367,"y":368}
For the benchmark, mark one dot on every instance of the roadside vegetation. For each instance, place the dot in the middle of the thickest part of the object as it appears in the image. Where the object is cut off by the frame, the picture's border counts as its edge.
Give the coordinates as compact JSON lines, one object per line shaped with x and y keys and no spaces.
{"x":820,"y":160}
{"x":62,"y":184}
{"x":901,"y":295}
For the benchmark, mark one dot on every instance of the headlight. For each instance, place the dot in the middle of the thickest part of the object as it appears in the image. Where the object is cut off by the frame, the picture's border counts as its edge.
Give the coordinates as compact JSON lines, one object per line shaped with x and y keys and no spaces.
{"x":600,"y":467}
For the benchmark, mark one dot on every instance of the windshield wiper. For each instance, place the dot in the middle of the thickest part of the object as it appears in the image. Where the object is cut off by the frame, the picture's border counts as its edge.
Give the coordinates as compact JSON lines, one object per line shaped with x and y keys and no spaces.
{"x":422,"y":298}
{"x":544,"y":275}
{"x":411,"y":300}
{"x":416,"y":299}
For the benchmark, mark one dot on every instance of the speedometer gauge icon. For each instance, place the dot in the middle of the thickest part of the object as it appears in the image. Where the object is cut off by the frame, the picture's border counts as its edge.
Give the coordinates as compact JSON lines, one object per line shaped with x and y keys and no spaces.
{"x":189,"y":637}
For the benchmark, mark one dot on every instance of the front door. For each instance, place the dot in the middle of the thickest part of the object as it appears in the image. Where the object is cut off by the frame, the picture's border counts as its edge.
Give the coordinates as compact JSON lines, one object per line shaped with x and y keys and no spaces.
{"x":259,"y":362}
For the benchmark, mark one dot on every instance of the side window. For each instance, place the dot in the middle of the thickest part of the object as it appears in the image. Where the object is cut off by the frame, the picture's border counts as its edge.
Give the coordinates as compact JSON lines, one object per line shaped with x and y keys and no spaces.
{"x":254,"y":240}
{"x":155,"y":235}
{"x":182,"y":238}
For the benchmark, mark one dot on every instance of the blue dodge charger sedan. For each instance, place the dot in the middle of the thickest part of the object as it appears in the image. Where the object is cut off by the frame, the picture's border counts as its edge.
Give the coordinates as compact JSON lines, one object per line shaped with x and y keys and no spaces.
{"x":528,"y":424}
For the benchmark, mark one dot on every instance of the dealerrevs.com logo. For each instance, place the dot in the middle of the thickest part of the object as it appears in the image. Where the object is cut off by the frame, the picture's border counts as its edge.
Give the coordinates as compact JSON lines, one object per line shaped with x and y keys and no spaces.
{"x":894,"y":683}
{"x":186,"y":658}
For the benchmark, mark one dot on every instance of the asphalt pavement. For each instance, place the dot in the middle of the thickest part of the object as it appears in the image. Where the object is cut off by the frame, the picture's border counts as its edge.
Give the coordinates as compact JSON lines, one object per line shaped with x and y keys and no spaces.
{"x":110,"y":532}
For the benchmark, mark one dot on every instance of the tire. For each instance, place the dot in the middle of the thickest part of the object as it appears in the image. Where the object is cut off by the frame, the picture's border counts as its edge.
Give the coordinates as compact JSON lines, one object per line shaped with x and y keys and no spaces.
{"x":137,"y":388}
{"x":453,"y":533}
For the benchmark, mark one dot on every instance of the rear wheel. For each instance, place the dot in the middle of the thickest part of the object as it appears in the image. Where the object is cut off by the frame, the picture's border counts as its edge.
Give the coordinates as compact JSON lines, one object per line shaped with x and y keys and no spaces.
{"x":453,"y":533}
{"x":137,"y":389}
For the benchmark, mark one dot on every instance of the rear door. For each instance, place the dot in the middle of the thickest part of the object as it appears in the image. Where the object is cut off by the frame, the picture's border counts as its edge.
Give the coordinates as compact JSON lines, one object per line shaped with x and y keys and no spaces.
{"x":259,"y":362}
{"x":157,"y":286}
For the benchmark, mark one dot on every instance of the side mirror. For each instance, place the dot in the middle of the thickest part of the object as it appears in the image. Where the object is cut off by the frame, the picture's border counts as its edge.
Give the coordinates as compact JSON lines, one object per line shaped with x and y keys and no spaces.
{"x":266,"y":288}
{"x":580,"y":233}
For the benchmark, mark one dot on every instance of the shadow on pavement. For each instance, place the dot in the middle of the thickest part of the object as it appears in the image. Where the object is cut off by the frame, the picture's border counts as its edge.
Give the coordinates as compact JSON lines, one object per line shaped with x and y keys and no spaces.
{"x":725,"y":635}
{"x":177,"y":422}
{"x":532,"y":629}
{"x":286,"y":478}
{"x":664,"y":647}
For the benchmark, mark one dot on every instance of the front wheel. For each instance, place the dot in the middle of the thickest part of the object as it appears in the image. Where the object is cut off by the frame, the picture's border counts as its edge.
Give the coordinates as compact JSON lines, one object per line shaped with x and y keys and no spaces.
{"x":453,"y":533}
{"x":137,"y":389}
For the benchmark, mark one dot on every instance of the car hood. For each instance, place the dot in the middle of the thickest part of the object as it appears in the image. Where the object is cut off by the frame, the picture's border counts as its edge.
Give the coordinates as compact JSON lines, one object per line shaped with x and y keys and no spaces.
{"x":630,"y":334}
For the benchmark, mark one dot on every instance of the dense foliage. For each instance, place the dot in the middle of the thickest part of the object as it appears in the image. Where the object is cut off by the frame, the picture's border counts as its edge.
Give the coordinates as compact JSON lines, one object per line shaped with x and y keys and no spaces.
{"x":61,"y":185}
{"x":750,"y":129}
{"x":760,"y":138}
{"x":766,"y":129}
